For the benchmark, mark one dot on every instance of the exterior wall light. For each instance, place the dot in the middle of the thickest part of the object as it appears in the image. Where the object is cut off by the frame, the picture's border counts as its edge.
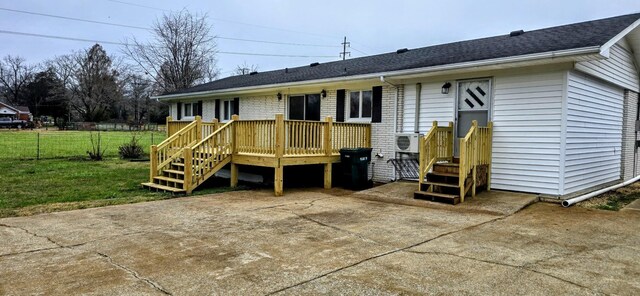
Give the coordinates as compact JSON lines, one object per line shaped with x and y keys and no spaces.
{"x":279,"y":95}
{"x":323,"y":93}
{"x":445,"y":88}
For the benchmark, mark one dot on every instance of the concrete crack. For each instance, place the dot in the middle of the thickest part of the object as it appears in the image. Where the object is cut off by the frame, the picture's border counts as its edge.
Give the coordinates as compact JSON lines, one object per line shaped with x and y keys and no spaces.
{"x":337,"y":228}
{"x":521,"y":267}
{"x":34,"y":234}
{"x":135,"y":274}
{"x":388,"y":252}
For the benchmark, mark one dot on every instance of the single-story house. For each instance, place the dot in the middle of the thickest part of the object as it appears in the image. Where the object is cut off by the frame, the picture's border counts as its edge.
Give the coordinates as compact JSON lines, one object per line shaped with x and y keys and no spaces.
{"x":18,"y":112}
{"x":563,"y":101}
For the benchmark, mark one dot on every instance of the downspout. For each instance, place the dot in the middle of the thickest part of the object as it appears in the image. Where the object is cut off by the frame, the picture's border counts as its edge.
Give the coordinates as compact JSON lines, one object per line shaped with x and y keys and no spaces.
{"x":571,"y":201}
{"x":416,"y":124}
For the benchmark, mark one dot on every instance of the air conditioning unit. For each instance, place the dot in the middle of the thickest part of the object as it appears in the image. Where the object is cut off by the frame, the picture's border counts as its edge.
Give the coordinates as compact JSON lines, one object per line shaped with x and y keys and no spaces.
{"x":407,"y":142}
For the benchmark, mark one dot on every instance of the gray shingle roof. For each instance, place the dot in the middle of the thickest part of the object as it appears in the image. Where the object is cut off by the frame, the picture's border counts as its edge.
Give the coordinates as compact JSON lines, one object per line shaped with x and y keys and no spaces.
{"x":572,"y":36}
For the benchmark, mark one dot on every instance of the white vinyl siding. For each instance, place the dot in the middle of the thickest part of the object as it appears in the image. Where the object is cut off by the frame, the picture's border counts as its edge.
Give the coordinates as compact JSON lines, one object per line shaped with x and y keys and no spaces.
{"x":435,"y":106}
{"x":594,"y":132}
{"x":618,"y":69}
{"x":527,"y":116}
{"x":409,"y":110}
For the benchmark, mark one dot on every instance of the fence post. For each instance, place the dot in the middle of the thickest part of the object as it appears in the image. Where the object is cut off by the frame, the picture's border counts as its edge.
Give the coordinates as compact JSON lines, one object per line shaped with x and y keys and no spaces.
{"x":278,"y":181}
{"x":188,"y":162}
{"x":166,"y":127}
{"x":450,"y":142}
{"x":153,"y":166}
{"x":38,"y":154}
{"x":216,"y":124}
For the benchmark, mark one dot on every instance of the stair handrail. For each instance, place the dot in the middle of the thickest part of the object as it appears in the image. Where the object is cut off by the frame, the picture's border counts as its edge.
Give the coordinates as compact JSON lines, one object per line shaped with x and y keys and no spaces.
{"x":435,"y":146}
{"x":208,"y":155}
{"x":468,"y":159}
{"x":172,"y":147}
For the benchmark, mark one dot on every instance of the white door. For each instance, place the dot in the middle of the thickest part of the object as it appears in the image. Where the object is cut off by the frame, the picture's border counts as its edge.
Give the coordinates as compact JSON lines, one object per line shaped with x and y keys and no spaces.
{"x":473,"y":103}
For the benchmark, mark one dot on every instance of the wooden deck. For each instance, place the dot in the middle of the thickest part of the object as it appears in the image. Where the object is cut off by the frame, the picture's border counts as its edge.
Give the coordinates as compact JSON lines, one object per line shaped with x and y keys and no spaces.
{"x":195,"y":151}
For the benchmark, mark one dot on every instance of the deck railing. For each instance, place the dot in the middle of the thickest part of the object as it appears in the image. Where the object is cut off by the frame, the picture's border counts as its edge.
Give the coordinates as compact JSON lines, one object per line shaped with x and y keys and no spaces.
{"x":256,"y":136}
{"x":162,"y":154}
{"x":436,"y":145}
{"x":475,"y":149}
{"x":350,"y":135}
{"x":207,"y":156}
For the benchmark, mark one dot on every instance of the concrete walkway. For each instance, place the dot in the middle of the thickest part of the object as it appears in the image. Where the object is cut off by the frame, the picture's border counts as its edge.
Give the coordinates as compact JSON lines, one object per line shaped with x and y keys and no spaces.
{"x":251,"y":243}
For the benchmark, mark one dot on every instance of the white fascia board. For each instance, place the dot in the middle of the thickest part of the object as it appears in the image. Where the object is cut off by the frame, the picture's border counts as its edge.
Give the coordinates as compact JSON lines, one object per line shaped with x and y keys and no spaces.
{"x":604,"y":49}
{"x":390,"y":74}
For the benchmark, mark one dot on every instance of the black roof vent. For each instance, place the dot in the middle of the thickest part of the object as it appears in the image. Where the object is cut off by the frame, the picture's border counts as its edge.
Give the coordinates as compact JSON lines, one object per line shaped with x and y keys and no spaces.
{"x":516,"y":33}
{"x":314,"y":64}
{"x":253,"y":73}
{"x":403,"y":50}
{"x":286,"y":70}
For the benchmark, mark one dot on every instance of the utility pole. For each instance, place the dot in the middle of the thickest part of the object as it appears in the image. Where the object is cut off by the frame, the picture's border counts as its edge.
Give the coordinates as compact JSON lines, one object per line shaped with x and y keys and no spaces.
{"x":344,"y":49}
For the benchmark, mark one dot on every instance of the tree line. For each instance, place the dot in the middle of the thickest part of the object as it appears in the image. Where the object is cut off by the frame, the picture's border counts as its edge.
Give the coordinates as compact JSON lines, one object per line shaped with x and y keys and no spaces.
{"x":91,"y":85}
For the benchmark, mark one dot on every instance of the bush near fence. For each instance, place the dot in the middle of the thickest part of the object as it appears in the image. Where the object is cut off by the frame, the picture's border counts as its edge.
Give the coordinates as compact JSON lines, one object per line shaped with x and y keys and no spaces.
{"x":61,"y":144}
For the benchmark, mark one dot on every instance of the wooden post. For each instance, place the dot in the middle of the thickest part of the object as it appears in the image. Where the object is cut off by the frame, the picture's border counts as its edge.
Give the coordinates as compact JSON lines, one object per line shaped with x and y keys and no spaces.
{"x":188,"y":162}
{"x":489,"y":153}
{"x":215,"y":124}
{"x":422,"y":156}
{"x":198,"y":128}
{"x":234,"y":175}
{"x":278,"y":182}
{"x":168,"y":122}
{"x":234,"y":140}
{"x":450,"y":141}
{"x":328,"y":150}
{"x":462,"y":176}
{"x":153,"y":165}
{"x":474,"y":157}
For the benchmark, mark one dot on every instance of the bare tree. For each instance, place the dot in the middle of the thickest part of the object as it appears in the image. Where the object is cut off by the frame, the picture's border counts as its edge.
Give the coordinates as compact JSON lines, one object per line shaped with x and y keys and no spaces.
{"x":95,"y":86}
{"x":15,"y":74}
{"x":245,"y":69}
{"x":181,"y":54}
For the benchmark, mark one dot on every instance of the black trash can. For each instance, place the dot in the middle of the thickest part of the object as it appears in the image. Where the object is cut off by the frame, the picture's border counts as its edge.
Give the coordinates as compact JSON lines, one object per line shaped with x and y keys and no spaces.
{"x":355,"y":167}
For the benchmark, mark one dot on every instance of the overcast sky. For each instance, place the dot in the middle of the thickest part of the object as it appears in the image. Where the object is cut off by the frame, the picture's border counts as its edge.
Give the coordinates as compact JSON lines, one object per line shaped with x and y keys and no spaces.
{"x":371,"y":26}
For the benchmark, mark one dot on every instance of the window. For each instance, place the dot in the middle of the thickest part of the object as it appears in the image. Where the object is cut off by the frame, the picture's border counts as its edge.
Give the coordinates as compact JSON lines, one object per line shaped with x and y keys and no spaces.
{"x":227,"y":109}
{"x":304,"y":107}
{"x":188,"y":109}
{"x":360,"y":104}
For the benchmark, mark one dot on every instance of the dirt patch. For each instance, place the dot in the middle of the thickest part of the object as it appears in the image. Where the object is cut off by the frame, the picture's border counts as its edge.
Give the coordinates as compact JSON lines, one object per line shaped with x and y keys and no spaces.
{"x":614,"y":200}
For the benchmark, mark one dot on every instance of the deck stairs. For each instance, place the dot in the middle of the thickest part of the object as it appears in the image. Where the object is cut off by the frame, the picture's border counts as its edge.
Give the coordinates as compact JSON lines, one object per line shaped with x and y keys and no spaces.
{"x":180,"y":167}
{"x":446,"y":177}
{"x":443,"y":183}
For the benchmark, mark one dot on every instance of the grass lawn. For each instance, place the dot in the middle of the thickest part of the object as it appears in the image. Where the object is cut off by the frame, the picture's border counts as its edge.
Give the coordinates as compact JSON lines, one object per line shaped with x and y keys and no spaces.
{"x":38,"y":186}
{"x":57,"y":144}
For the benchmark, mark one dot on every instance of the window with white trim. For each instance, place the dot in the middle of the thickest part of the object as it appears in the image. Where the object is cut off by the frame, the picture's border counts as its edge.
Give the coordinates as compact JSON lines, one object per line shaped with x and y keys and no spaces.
{"x":227,"y":109}
{"x":189,"y":109}
{"x":360,"y":104}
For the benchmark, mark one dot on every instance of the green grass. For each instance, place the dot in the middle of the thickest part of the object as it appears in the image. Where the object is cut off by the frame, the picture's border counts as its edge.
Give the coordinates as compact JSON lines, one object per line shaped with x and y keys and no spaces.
{"x":618,"y":201}
{"x":37,"y":186}
{"x":59,"y":144}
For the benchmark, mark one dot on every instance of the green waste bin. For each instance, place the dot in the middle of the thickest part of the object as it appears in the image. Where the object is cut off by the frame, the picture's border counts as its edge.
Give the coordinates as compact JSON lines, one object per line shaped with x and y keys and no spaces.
{"x":355,"y":167}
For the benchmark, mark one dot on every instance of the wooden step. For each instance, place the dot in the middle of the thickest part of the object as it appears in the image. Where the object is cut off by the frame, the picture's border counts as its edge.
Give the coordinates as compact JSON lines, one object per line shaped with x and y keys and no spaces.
{"x":439,"y":197}
{"x":178,"y":164}
{"x":174,"y":172}
{"x":447,"y":164}
{"x":167,"y":179}
{"x":442,"y":174}
{"x":443,"y":184}
{"x":162,"y":187}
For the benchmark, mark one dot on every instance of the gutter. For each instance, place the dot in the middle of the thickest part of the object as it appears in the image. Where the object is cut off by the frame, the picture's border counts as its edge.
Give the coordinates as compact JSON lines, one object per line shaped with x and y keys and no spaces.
{"x":522,"y":58}
{"x":571,"y":201}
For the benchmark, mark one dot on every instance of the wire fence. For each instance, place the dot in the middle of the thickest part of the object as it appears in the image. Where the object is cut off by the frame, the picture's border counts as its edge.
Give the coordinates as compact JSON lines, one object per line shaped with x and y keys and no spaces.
{"x":62,"y":144}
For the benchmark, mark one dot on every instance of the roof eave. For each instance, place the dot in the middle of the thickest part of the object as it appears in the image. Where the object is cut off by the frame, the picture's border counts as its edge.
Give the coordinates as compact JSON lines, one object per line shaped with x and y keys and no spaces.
{"x":604,"y":49}
{"x":585,"y":51}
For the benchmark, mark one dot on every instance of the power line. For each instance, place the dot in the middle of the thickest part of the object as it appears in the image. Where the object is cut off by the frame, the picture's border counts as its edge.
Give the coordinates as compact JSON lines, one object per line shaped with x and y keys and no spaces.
{"x":360,"y":51}
{"x":149,"y":29}
{"x":229,"y":21}
{"x":126,"y":44}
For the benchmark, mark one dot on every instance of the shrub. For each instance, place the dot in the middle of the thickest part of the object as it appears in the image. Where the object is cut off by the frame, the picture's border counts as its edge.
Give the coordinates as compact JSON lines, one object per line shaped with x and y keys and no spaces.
{"x":131,"y":150}
{"x":96,"y":152}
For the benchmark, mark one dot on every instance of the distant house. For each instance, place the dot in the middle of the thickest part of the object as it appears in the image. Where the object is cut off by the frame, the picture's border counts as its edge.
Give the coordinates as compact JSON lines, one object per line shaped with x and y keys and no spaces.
{"x":18,"y":112}
{"x":563,"y":101}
